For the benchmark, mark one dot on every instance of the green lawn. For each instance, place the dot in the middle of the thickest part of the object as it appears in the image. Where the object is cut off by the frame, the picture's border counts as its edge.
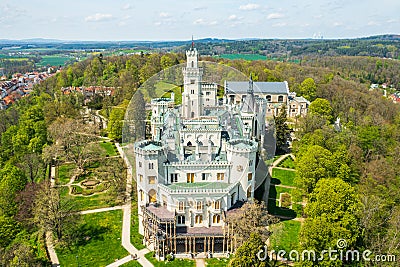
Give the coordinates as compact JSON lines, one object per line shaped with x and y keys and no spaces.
{"x":216,"y":262}
{"x":102,"y":200}
{"x":131,"y":264}
{"x":280,"y":190}
{"x":109,"y":148}
{"x":136,"y":238}
{"x":284,"y":177}
{"x":286,"y":238}
{"x":99,"y":243}
{"x":174,"y":263}
{"x":288,"y":162}
{"x":65,"y":172}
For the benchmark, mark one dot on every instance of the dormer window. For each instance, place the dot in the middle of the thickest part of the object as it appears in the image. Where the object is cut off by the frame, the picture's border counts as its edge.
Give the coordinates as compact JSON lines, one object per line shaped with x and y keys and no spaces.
{"x":280,"y":98}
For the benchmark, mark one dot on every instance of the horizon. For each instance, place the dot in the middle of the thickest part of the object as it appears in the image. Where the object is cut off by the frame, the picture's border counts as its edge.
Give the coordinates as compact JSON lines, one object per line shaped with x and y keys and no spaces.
{"x":126,"y":20}
{"x":196,"y":39}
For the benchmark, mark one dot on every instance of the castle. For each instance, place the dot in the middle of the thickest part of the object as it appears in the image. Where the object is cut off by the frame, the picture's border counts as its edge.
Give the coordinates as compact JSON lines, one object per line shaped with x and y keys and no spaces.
{"x":202,"y":160}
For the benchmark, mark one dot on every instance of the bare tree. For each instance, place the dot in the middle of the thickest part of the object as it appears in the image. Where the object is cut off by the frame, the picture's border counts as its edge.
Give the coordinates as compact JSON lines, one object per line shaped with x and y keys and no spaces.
{"x":75,"y":140}
{"x":252,"y":217}
{"x":51,"y":212}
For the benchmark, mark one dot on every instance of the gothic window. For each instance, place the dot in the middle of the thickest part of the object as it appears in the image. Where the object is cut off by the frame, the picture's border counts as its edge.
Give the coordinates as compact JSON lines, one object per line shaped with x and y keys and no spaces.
{"x":190,"y":177}
{"x":217,"y":204}
{"x":249,"y":192}
{"x":181,"y":219}
{"x":151,"y":165}
{"x":140,"y":164}
{"x":152,"y":196}
{"x":174,"y":177}
{"x":268,"y":98}
{"x":181,"y":206}
{"x":198,"y":219}
{"x":220,"y":176}
{"x":199,"y":205}
{"x":216,"y":218}
{"x":192,"y":64}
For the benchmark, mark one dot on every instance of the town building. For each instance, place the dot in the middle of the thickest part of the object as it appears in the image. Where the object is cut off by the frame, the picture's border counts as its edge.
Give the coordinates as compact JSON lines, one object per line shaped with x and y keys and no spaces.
{"x":201,"y":161}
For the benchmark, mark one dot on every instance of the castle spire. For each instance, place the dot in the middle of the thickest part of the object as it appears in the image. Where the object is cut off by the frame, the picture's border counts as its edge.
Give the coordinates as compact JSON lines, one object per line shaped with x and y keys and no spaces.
{"x":192,"y":42}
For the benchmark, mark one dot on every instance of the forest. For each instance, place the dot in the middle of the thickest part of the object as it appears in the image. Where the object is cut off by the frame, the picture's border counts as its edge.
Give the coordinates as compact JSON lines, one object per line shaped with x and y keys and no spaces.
{"x":349,"y":176}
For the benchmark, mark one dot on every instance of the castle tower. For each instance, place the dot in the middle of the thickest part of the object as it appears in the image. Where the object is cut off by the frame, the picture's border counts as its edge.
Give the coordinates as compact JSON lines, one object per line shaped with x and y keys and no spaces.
{"x":192,"y":106}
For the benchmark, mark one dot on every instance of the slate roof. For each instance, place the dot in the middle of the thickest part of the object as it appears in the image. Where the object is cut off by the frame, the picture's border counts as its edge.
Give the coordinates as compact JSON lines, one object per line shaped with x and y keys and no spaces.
{"x":258,"y":87}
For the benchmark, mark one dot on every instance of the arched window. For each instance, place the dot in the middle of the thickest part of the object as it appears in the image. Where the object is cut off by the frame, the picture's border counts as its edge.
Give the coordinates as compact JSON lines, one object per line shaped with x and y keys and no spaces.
{"x":249,"y":192}
{"x":198,"y":219}
{"x":268,"y":98}
{"x":280,"y":98}
{"x":141,"y":195}
{"x":152,"y":196}
{"x":192,"y":64}
{"x":216,"y":218}
{"x":189,"y":144}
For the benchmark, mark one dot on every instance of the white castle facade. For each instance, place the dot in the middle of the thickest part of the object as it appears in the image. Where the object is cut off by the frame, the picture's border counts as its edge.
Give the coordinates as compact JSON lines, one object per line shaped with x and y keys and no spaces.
{"x":200,"y":162}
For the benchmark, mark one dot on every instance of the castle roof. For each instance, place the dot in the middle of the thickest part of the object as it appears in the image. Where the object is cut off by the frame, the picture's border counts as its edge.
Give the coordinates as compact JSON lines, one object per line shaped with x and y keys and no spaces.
{"x":258,"y":87}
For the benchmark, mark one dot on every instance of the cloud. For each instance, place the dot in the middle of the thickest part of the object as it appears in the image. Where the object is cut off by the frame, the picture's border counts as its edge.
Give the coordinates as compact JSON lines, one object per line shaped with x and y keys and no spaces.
{"x":233,"y":17}
{"x":204,"y":22}
{"x":337,"y":24}
{"x":249,"y":7}
{"x":164,"y":15}
{"x":98,"y":17}
{"x":281,"y":24}
{"x":198,"y":8}
{"x":275,"y":16}
{"x":127,"y":7}
{"x":373,"y":23}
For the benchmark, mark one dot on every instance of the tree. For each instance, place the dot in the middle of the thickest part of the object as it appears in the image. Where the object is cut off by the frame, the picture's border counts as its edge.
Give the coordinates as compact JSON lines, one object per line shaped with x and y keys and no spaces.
{"x":116,"y":121}
{"x":308,"y":89}
{"x":282,"y":130}
{"x":8,"y":230}
{"x":252,"y":217}
{"x":316,"y":163}
{"x":12,"y":181}
{"x":322,"y":108}
{"x":53,"y":213}
{"x":137,"y":116}
{"x":75,"y":140}
{"x":247,"y":254}
{"x":330,"y":216}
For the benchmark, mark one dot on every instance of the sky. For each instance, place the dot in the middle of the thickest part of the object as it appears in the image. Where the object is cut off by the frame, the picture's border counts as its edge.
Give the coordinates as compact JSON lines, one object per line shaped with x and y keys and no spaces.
{"x":117,"y":20}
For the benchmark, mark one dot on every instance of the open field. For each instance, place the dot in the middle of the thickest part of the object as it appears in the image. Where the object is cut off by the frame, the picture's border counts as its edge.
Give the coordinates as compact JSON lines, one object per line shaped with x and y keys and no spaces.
{"x":53,"y":60}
